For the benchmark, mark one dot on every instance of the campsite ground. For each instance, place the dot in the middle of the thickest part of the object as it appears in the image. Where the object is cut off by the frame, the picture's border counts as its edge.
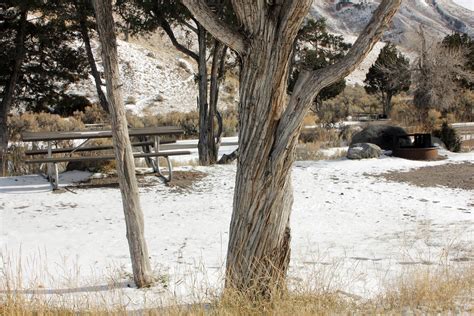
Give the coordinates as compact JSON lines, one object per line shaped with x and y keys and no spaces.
{"x":356,"y":227}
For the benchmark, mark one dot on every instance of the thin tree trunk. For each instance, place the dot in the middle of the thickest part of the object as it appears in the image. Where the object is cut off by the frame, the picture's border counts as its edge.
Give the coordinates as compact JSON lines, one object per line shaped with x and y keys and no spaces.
{"x":122,"y":147}
{"x":9,"y":90}
{"x":388,"y":104}
{"x":203,"y":149}
{"x":217,"y":57}
{"x":90,"y":56}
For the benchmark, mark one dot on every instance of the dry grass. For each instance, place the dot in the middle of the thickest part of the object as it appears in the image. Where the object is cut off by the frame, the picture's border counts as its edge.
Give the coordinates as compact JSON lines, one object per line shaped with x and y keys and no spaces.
{"x":313,"y":151}
{"x":443,"y":288}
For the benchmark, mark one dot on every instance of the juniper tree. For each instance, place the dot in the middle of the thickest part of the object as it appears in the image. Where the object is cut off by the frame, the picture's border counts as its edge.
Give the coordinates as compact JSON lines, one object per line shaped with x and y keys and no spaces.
{"x":38,"y":59}
{"x":269,"y":124}
{"x":316,"y":48}
{"x":388,"y":76}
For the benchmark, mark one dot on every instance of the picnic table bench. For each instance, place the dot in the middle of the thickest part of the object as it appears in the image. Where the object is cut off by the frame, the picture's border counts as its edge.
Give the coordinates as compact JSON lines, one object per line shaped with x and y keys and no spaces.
{"x":149,"y":140}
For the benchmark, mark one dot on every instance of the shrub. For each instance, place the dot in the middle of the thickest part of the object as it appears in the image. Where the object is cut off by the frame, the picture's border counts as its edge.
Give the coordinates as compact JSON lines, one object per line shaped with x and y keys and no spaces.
{"x":92,"y":115}
{"x":449,"y":137}
{"x":70,"y":104}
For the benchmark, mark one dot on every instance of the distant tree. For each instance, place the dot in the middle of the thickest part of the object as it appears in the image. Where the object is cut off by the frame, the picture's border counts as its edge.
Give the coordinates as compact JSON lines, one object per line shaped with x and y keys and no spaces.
{"x":83,"y":17}
{"x":142,"y":17}
{"x":441,"y":75}
{"x":464,"y":44}
{"x":316,"y":48}
{"x":388,"y":76}
{"x":38,"y":59}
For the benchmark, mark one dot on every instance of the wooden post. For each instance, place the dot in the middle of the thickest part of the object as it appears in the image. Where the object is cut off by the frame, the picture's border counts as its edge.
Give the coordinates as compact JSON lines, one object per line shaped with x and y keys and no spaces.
{"x":50,"y":165}
{"x":122,"y":146}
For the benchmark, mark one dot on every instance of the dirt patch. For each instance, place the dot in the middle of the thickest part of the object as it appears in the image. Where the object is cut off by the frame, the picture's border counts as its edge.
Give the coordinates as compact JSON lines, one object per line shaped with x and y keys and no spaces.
{"x":180,"y":180}
{"x":457,"y":176}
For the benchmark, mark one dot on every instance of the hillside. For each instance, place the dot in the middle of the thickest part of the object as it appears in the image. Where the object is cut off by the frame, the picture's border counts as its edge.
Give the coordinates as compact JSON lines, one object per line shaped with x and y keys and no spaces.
{"x":438,"y":18}
{"x":159,"y":79}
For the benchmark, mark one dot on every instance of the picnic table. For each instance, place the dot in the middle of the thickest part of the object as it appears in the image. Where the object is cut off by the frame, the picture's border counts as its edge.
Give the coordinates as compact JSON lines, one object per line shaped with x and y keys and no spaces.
{"x":149,"y":141}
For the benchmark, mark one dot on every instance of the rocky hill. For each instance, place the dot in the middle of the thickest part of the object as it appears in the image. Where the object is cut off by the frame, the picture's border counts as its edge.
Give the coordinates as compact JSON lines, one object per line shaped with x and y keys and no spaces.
{"x":438,"y":18}
{"x":159,"y":79}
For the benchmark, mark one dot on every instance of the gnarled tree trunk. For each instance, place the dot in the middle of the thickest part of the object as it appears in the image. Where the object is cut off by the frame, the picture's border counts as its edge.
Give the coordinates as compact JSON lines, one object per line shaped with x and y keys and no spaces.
{"x":122,"y":147}
{"x":270,"y":122}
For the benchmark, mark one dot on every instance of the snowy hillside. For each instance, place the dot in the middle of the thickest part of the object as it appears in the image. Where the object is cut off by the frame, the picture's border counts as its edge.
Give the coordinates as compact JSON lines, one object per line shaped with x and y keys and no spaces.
{"x":159,"y":79}
{"x":154,"y":81}
{"x":438,"y":17}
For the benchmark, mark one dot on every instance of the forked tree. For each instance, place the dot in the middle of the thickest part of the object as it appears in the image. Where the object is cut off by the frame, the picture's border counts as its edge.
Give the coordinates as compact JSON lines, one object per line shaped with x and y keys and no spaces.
{"x":270,"y":121}
{"x":122,"y":147}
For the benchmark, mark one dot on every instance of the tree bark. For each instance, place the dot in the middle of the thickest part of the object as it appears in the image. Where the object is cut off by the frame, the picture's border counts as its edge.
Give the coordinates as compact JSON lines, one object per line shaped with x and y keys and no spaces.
{"x":270,"y":122}
{"x":203,"y":149}
{"x":259,"y":245}
{"x":213,"y":143}
{"x":122,"y":147}
{"x":388,"y":104}
{"x":9,"y":90}
{"x":90,"y":56}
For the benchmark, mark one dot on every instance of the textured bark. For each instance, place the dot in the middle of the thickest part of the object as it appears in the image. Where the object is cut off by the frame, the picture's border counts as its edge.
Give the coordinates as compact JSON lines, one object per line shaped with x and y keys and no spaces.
{"x":213,"y":141}
{"x":122,"y":147}
{"x":204,"y":155}
{"x":9,"y":90}
{"x":90,"y":56}
{"x":259,"y":242}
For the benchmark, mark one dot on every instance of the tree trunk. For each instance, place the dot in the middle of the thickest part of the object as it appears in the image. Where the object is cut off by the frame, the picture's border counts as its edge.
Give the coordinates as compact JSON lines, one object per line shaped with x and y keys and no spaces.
{"x":203,"y":144}
{"x":387,"y":105}
{"x":259,"y":238}
{"x":90,"y":56}
{"x":259,"y":245}
{"x":9,"y":90}
{"x":122,"y":147}
{"x":217,"y":58}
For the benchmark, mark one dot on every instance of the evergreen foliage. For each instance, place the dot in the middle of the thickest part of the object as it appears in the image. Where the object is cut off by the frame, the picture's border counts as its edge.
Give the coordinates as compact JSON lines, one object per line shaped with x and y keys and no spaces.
{"x":316,"y":48}
{"x":52,"y":58}
{"x":388,"y":76}
{"x":449,"y":137}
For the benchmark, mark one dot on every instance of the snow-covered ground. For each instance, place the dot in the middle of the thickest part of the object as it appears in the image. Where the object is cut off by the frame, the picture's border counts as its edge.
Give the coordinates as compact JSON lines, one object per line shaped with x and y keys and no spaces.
{"x":350,"y":230}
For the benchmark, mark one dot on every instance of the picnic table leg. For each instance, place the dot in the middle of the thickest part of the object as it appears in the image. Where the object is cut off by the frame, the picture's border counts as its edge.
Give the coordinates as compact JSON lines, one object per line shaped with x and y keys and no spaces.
{"x":56,"y":177}
{"x":50,"y":165}
{"x":157,"y":161}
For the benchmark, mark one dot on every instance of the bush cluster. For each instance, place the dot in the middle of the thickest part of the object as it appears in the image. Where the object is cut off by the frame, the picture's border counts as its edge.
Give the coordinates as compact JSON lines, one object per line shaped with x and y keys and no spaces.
{"x":449,"y":137}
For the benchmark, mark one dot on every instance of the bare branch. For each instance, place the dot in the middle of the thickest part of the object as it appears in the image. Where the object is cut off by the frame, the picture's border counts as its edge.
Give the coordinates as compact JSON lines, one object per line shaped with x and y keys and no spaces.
{"x":169,"y":31}
{"x":309,"y":84}
{"x":219,"y":30}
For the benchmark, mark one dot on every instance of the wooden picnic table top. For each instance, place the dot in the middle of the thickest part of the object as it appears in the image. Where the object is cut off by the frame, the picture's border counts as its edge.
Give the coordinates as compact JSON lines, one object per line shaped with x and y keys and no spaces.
{"x":146,"y":131}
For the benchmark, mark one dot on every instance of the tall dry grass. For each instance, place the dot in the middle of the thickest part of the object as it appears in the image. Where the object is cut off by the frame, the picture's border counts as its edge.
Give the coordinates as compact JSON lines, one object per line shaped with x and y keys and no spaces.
{"x":444,"y":288}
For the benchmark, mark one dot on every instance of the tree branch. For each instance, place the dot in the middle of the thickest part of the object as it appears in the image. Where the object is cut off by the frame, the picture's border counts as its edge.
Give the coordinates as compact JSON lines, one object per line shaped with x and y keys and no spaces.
{"x":309,"y":84}
{"x":218,"y":29}
{"x":169,"y":31}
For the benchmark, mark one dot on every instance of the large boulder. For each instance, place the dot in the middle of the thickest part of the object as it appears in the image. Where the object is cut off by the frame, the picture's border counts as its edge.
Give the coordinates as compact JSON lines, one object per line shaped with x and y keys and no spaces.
{"x":381,"y":135}
{"x":364,"y":151}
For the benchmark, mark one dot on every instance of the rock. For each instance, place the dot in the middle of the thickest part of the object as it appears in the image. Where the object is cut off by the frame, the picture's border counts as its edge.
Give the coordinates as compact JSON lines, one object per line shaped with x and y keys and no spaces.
{"x":151,"y":55}
{"x":381,"y":135}
{"x":437,"y":142}
{"x":131,"y":100}
{"x":364,"y":151}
